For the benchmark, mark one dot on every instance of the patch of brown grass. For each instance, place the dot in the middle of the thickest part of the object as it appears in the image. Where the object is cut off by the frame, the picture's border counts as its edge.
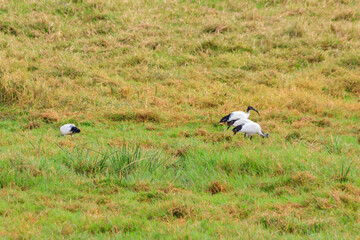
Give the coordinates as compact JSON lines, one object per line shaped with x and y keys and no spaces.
{"x":50,"y":116}
{"x":181,"y":211}
{"x":181,"y":152}
{"x":67,"y":229}
{"x":291,"y":218}
{"x":302,"y":178}
{"x":289,"y":208}
{"x":323,"y":123}
{"x":138,"y":116}
{"x":151,"y":128}
{"x":345,"y":197}
{"x":218,"y":137}
{"x":67,"y":143}
{"x":186,"y":134}
{"x":235,"y":211}
{"x":319,"y":203}
{"x":350,"y":188}
{"x":293,"y":135}
{"x":202,"y":132}
{"x":170,"y":189}
{"x":72,"y":207}
{"x":284,"y":190}
{"x":294,"y":31}
{"x":178,"y":151}
{"x":216,"y":28}
{"x":346,"y":14}
{"x":117,"y":142}
{"x":147,"y":116}
{"x":218,"y":187}
{"x":32,"y":125}
{"x":306,"y":119}
{"x":141,"y":187}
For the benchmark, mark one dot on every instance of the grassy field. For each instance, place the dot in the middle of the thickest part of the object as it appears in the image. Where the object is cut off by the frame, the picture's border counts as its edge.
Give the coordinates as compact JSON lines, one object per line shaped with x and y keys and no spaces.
{"x":147,"y":83}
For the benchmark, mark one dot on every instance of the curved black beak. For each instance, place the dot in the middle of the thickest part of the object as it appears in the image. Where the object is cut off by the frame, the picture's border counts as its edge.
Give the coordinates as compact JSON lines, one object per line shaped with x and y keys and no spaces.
{"x":251,"y":108}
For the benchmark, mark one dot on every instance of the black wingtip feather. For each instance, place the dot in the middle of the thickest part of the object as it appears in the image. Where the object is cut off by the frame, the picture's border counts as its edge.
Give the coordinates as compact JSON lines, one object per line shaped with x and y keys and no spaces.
{"x":237,"y":129}
{"x":230,"y":123}
{"x":225,"y":119}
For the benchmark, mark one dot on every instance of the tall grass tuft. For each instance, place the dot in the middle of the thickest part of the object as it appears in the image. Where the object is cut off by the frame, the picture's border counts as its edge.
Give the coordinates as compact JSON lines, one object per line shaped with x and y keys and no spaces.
{"x":344,"y":172}
{"x":112,"y":162}
{"x":335,"y":146}
{"x":85,"y":160}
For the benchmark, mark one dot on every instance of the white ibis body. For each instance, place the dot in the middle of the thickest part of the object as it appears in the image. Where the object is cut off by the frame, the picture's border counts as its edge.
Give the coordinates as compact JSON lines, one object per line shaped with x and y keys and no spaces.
{"x":238,"y":115}
{"x":240,"y":122}
{"x":250,"y":128}
{"x":69,"y":129}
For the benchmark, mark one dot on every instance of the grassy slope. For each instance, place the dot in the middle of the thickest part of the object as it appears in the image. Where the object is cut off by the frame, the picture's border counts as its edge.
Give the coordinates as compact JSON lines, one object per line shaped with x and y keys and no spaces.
{"x":160,"y":75}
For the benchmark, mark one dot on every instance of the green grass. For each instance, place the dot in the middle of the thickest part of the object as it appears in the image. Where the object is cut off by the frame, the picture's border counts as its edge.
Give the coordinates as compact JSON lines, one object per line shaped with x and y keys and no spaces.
{"x":98,"y":185}
{"x":147,"y":83}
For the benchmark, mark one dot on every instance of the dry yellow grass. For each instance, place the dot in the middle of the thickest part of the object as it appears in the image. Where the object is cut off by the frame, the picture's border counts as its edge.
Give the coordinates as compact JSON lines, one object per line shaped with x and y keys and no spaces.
{"x":100,"y":57}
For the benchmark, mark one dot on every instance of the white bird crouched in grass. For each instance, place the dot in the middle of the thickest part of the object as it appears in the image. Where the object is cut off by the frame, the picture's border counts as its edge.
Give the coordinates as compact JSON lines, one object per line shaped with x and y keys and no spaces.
{"x":249,"y":128}
{"x":69,"y":129}
{"x":238,"y":115}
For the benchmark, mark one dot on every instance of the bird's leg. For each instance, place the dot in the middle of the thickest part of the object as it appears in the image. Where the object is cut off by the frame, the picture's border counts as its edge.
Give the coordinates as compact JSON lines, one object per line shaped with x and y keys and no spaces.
{"x":244,"y":135}
{"x":250,"y":137}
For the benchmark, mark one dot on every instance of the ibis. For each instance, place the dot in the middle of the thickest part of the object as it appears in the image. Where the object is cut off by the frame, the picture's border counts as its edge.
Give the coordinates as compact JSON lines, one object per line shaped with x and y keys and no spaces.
{"x":69,"y":129}
{"x":249,"y":128}
{"x":237,"y":115}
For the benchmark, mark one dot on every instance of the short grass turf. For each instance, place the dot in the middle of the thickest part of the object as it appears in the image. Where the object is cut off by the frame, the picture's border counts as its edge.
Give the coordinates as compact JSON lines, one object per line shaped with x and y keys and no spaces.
{"x":147,"y":83}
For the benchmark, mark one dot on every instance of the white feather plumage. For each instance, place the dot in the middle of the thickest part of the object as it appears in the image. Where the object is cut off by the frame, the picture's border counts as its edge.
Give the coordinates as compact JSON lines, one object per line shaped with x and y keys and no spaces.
{"x":250,"y":128}
{"x":237,"y":115}
{"x":69,"y":129}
